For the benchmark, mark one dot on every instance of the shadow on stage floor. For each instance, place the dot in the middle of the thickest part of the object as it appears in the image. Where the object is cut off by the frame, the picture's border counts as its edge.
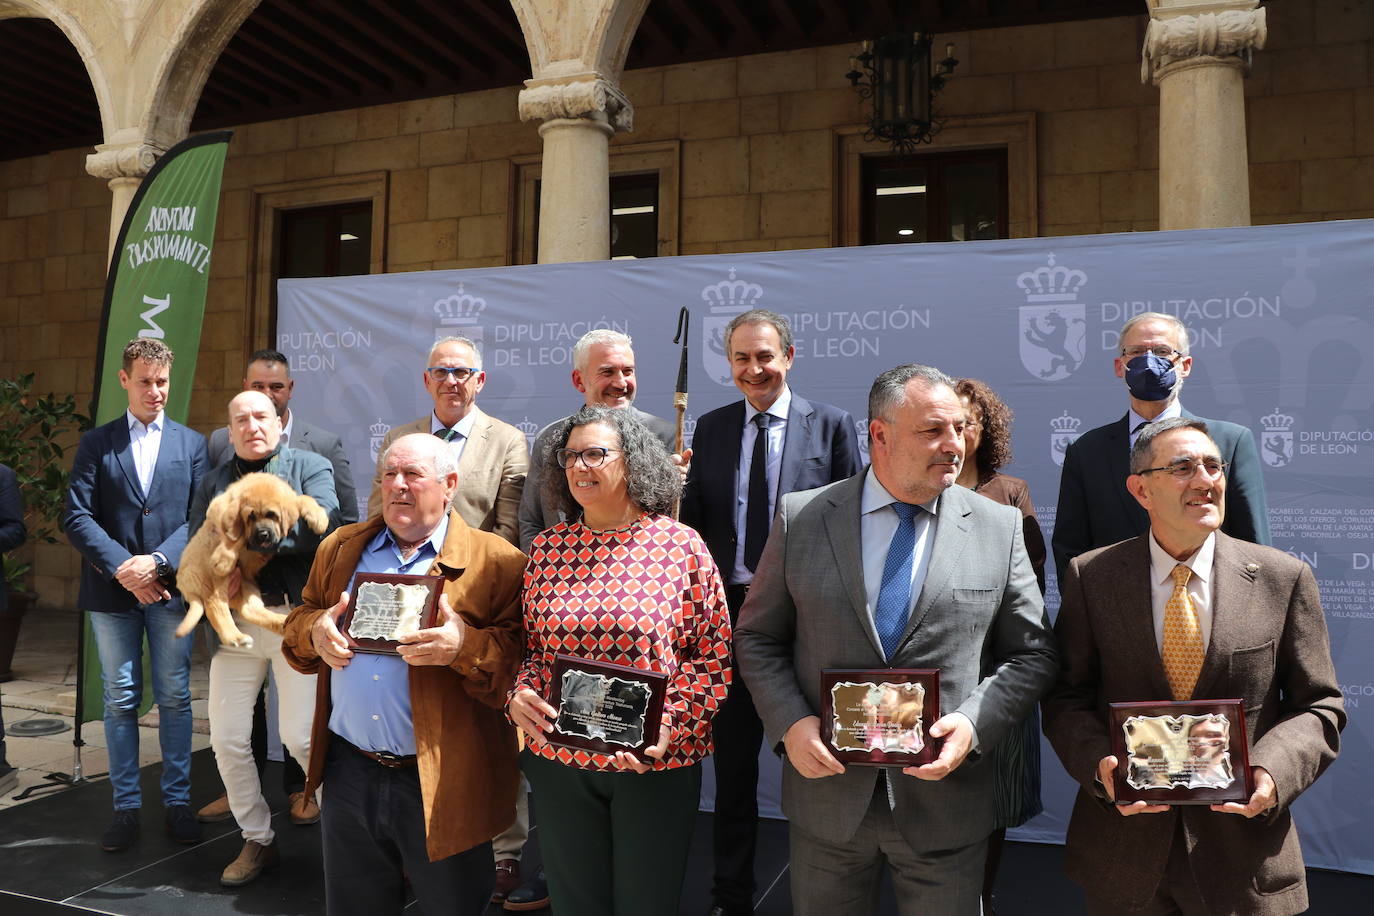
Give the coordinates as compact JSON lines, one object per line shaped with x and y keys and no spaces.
{"x":50,"y":864}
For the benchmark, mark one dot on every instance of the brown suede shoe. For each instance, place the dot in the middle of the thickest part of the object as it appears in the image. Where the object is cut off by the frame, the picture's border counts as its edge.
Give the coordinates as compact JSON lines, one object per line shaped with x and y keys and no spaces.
{"x":507,"y":879}
{"x":304,"y":810}
{"x":253,"y":858}
{"x":217,"y":810}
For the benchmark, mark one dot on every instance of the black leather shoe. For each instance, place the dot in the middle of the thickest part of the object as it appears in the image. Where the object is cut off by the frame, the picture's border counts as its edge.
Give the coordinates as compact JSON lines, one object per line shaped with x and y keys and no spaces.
{"x":122,"y":832}
{"x":182,"y":825}
{"x":532,"y":895}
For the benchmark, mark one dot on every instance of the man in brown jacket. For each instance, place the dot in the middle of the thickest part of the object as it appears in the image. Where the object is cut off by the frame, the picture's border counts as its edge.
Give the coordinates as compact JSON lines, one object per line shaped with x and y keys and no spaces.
{"x":415,"y":751}
{"x":1250,"y":619}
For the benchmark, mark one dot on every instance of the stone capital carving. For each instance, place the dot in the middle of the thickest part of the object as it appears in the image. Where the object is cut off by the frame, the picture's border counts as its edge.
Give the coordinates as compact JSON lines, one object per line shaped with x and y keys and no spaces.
{"x":1226,"y":36}
{"x":577,"y":99}
{"x":130,"y":161}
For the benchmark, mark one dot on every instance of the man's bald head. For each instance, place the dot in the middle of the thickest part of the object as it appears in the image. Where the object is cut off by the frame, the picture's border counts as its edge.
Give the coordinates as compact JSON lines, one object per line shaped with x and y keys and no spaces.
{"x":254,"y":427}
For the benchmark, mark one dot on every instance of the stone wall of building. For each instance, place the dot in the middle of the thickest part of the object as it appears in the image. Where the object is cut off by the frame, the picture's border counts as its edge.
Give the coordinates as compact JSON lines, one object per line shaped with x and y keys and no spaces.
{"x":758,"y":171}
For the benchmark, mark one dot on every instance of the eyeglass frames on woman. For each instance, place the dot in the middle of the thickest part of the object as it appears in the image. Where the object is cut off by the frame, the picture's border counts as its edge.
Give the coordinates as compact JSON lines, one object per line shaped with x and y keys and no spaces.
{"x":593,"y":457}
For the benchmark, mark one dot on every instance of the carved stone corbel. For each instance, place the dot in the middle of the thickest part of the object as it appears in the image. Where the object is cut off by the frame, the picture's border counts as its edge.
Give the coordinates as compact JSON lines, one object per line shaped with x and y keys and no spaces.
{"x":130,"y":161}
{"x":577,"y":99}
{"x":1225,"y":37}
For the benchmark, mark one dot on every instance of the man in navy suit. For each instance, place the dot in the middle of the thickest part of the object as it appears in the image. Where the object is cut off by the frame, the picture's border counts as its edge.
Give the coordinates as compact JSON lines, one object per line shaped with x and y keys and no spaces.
{"x":747,"y":456}
{"x":127,"y":508}
{"x":1095,"y":509}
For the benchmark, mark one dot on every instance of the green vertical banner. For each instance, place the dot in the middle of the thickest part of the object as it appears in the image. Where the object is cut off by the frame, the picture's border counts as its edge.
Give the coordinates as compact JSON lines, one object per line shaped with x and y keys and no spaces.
{"x":159,"y":273}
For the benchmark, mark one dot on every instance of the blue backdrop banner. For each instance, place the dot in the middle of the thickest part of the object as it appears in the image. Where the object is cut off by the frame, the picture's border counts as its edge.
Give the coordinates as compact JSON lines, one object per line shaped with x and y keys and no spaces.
{"x":1278,"y":318}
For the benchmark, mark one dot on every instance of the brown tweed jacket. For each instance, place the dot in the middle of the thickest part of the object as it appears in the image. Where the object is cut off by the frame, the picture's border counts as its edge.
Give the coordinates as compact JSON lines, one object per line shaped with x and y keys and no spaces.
{"x":1269,"y":647}
{"x":465,"y":746}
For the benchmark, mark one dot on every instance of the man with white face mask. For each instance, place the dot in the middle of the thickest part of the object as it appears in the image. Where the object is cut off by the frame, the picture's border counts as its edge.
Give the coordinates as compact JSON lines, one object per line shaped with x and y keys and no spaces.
{"x":1095,"y":508}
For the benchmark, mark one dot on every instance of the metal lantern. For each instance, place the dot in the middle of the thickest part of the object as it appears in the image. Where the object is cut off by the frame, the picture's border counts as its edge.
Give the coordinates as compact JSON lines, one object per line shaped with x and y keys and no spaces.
{"x":895,"y":72}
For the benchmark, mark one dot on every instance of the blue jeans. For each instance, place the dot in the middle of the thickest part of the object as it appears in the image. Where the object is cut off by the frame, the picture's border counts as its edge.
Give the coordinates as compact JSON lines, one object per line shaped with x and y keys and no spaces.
{"x":119,"y":641}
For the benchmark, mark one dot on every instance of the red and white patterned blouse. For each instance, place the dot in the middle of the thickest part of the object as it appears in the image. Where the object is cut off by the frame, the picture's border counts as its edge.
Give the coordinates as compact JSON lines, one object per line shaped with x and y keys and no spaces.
{"x":647,"y":595}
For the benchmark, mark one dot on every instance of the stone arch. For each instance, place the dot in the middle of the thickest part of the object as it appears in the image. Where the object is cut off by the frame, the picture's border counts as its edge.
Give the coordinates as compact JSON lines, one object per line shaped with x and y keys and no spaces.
{"x":78,"y":25}
{"x":200,"y":36}
{"x":570,"y":38}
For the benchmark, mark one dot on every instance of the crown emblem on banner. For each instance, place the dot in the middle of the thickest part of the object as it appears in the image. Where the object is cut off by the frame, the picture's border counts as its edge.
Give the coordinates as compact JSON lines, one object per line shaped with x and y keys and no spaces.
{"x":731,"y":295}
{"x":1051,"y":283}
{"x":528,"y":427}
{"x":689,"y":426}
{"x":460,"y":308}
{"x":379,"y":428}
{"x":1066,"y":423}
{"x":1277,"y":422}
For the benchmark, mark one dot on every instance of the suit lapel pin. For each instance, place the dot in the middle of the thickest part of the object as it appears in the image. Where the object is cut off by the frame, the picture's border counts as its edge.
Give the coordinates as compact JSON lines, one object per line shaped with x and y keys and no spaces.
{"x":1251,"y":569}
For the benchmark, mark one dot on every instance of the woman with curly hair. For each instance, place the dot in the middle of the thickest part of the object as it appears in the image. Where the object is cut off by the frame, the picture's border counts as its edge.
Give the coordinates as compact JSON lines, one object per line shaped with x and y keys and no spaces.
{"x":620,"y":582}
{"x":987,"y":448}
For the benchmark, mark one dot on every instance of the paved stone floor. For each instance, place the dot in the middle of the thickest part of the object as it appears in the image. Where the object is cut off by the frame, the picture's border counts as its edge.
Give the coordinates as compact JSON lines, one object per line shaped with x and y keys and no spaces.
{"x":44,"y":686}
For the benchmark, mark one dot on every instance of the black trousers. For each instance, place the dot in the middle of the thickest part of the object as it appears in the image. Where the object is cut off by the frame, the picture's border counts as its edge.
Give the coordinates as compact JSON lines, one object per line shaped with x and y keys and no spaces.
{"x":374,"y":840}
{"x":738,"y":735}
{"x":292,"y":776}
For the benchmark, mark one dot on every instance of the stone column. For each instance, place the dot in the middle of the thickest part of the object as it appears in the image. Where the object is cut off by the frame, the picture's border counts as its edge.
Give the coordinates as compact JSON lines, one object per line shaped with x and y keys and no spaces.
{"x":1197,"y":53}
{"x":579,"y":116}
{"x":124,"y":165}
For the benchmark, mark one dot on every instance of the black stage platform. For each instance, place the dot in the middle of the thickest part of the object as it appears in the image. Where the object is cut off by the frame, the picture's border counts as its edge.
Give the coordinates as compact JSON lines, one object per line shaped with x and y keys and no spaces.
{"x":50,"y":864}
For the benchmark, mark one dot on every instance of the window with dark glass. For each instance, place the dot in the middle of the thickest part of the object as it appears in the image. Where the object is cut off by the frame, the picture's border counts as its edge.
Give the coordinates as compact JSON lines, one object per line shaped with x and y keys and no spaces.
{"x":935,"y":197}
{"x":634,"y":216}
{"x":332,"y":241}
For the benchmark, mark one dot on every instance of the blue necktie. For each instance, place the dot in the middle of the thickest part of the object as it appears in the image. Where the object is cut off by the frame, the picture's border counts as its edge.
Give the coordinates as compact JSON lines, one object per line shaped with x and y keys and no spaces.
{"x":894,"y":595}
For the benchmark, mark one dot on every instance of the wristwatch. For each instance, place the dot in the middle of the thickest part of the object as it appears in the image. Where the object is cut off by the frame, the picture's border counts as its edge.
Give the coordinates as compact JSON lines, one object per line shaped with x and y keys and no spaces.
{"x":165,"y":574}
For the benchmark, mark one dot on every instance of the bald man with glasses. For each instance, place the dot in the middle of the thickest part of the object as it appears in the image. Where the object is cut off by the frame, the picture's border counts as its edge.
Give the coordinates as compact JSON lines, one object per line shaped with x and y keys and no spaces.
{"x":491,"y":455}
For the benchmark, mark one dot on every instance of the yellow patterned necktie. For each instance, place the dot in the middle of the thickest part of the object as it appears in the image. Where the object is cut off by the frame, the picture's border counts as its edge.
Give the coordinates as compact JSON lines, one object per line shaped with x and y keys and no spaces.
{"x":1183,"y":651}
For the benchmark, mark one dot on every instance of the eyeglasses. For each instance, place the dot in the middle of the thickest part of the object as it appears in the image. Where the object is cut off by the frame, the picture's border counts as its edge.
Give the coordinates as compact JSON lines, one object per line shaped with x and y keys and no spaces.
{"x":593,"y":457}
{"x":1161,"y":351}
{"x":1184,"y":469}
{"x":459,"y":374}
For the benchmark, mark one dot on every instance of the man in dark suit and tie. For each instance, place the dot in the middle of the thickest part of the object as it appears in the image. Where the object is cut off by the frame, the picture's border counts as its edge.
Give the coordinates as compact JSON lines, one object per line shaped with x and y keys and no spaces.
{"x":127,"y":508}
{"x":1095,"y":508}
{"x":749,"y":454}
{"x":269,"y":372}
{"x":895,"y":568}
{"x":1186,"y":612}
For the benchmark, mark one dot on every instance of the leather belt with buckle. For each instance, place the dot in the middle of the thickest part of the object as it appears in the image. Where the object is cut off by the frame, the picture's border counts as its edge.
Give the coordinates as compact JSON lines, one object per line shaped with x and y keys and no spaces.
{"x":386,"y":759}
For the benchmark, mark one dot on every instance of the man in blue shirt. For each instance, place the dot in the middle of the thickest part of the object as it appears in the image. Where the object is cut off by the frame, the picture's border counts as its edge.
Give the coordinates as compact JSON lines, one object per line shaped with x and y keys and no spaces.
{"x":414,"y":749}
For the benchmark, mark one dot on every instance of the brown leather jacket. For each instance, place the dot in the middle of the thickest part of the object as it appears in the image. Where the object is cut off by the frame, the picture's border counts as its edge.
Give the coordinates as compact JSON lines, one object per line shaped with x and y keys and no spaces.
{"x":465,"y":746}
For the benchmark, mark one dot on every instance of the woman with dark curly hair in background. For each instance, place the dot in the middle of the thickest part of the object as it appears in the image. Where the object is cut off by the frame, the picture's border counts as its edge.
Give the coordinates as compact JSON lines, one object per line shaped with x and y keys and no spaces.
{"x":620,"y":582}
{"x":987,"y":448}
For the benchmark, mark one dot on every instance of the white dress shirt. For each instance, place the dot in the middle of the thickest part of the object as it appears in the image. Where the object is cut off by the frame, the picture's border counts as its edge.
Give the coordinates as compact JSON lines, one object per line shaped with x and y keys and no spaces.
{"x":777,"y":435}
{"x":1199,"y":586}
{"x":877,"y":524}
{"x":144,"y":443}
{"x":286,"y":429}
{"x":463,"y":428}
{"x":1134,"y":420}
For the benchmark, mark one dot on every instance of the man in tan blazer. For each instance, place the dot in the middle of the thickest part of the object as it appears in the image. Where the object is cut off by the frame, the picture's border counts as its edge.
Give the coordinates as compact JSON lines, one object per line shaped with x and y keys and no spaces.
{"x":1262,"y":638}
{"x":492,"y":455}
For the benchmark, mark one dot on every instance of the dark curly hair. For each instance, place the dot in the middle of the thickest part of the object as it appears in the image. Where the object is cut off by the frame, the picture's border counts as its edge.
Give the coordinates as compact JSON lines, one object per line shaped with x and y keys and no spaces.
{"x":994,"y":449}
{"x":652,"y":481}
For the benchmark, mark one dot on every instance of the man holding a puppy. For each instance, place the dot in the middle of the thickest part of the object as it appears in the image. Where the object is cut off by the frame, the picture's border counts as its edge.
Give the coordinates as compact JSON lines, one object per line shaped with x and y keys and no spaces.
{"x":414,"y":748}
{"x":237,"y":673}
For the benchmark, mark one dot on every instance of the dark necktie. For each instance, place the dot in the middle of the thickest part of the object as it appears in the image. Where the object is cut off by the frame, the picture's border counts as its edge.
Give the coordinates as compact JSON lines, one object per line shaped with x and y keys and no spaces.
{"x":447,"y":435}
{"x":756,"y":517}
{"x":894,"y":595}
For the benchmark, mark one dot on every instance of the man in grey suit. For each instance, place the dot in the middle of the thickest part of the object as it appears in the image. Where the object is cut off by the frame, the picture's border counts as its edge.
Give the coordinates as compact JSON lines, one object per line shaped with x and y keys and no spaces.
{"x":1095,"y":508}
{"x":269,"y":372}
{"x":895,"y":567}
{"x":1250,"y":619}
{"x":604,"y":373}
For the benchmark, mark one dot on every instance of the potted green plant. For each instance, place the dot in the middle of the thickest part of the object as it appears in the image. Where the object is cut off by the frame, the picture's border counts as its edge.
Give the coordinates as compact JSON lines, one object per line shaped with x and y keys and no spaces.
{"x":38,"y":430}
